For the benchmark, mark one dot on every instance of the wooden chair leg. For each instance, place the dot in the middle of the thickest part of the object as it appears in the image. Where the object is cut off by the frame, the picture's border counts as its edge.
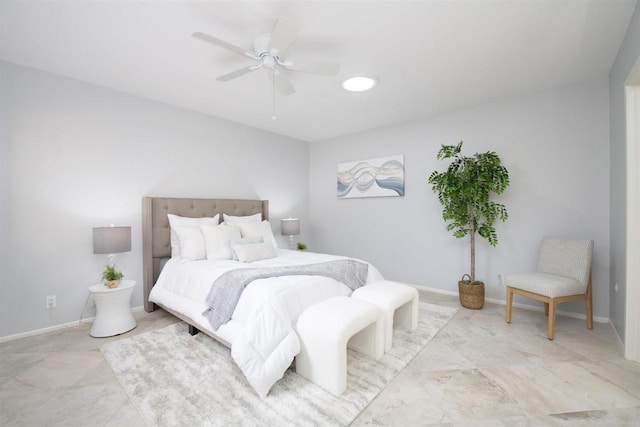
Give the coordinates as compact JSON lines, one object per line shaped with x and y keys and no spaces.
{"x":589,"y":307}
{"x":552,"y":318}
{"x":546,"y":309}
{"x":509,"y":303}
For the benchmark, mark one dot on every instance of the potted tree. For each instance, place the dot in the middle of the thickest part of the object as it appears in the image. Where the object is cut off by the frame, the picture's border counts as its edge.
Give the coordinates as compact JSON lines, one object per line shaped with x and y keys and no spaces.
{"x":465,"y":191}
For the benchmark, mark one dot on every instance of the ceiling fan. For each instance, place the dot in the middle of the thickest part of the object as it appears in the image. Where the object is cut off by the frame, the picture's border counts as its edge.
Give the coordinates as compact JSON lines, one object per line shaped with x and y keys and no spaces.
{"x":267,"y":54}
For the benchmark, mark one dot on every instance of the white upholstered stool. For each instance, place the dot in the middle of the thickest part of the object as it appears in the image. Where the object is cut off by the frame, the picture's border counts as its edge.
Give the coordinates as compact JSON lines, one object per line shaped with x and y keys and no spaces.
{"x":326,"y":328}
{"x":399,"y":303}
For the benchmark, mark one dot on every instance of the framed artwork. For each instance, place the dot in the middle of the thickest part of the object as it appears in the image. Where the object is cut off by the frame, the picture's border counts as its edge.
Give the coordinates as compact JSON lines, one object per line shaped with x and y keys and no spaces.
{"x":380,"y":177}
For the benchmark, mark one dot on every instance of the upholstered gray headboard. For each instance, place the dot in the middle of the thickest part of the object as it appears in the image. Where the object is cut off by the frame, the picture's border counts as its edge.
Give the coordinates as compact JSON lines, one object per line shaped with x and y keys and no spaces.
{"x":156,"y":233}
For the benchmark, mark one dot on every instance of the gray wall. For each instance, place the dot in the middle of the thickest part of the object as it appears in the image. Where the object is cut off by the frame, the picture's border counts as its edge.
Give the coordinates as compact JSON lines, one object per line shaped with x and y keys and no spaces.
{"x":627,"y":56}
{"x":75,"y":156}
{"x":555,"y":146}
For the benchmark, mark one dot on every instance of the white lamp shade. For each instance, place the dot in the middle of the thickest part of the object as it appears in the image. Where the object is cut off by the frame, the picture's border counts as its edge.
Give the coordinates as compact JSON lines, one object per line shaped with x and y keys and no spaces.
{"x":290,"y":226}
{"x":111,"y":240}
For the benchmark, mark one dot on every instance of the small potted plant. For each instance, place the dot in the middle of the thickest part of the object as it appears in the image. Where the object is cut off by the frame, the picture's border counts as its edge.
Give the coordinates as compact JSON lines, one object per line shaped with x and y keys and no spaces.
{"x":111,"y":276}
{"x":301,"y":246}
{"x":465,"y":190}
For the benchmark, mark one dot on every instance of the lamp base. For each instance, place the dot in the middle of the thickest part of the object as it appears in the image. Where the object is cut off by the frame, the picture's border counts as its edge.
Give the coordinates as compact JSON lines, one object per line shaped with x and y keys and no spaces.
{"x":111,"y":260}
{"x":291,"y":243}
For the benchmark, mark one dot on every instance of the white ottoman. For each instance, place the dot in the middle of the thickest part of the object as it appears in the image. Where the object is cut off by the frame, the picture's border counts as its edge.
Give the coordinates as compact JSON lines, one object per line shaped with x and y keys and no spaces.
{"x":325,"y":329}
{"x":399,"y":303}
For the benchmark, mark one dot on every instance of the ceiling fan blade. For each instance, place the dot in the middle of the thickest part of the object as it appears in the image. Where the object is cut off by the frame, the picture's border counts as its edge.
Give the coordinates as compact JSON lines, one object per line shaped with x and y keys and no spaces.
{"x":283,"y":84}
{"x":319,"y":67}
{"x":224,"y":44}
{"x":284,"y":33}
{"x":238,"y":73}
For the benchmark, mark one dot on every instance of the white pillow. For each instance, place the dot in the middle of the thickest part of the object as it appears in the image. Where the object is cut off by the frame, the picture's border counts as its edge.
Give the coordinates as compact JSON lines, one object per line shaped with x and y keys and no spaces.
{"x":242,"y":219}
{"x":259,"y":229}
{"x":217,"y":238}
{"x":250,"y":252}
{"x":243,"y":241}
{"x":191,"y":242}
{"x":182,"y":221}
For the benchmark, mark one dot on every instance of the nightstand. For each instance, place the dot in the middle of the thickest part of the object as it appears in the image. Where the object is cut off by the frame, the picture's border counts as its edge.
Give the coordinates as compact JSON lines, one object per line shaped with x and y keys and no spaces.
{"x":113,"y":309}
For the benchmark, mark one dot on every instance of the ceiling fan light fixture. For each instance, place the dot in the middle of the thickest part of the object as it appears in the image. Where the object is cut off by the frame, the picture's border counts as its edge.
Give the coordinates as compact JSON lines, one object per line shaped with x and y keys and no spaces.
{"x":268,"y":49}
{"x":359,"y":82}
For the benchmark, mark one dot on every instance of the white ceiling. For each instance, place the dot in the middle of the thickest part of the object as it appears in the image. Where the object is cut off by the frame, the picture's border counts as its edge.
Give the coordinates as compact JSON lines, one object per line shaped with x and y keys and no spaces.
{"x":431,"y":56}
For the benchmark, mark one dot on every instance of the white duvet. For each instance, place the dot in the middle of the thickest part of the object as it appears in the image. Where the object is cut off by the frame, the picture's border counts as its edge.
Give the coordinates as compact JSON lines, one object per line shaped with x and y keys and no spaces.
{"x":260,"y":332}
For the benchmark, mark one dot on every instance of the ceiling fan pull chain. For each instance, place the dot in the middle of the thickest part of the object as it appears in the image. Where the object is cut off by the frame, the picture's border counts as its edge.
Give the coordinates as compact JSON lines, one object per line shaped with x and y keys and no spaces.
{"x":273,"y":87}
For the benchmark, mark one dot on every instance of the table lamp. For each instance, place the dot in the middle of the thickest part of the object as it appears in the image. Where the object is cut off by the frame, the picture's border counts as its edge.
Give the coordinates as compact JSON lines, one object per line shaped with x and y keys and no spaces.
{"x":290,"y":227}
{"x":111,"y":240}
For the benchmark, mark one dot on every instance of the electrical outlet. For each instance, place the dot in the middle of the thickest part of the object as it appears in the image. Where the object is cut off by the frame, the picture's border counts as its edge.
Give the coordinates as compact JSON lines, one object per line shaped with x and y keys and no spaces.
{"x":51,"y":301}
{"x":500,"y":279}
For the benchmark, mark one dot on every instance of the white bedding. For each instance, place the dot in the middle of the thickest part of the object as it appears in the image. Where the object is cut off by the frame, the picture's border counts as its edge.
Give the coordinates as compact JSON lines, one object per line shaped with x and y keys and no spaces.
{"x":260,"y":331}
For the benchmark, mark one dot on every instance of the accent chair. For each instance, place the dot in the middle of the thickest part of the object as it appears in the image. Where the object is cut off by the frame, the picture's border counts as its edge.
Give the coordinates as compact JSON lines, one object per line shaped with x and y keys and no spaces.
{"x":563,"y":275}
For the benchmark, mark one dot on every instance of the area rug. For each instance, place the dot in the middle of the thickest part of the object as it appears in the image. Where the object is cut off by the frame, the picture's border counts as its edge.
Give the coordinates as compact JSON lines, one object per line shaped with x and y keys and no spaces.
{"x":174,"y":379}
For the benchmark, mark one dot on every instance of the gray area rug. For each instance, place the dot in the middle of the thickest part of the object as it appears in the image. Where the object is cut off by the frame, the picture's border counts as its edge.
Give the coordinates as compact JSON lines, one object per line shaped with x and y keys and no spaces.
{"x":175,"y":379}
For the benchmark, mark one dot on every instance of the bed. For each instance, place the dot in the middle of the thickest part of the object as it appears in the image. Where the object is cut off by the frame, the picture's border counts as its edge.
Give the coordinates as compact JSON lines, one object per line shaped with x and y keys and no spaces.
{"x":260,"y":330}
{"x":156,"y":236}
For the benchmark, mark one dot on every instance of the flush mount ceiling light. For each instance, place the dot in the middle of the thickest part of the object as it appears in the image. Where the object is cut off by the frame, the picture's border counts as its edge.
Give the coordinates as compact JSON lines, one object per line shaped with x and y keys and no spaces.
{"x":359,"y":82}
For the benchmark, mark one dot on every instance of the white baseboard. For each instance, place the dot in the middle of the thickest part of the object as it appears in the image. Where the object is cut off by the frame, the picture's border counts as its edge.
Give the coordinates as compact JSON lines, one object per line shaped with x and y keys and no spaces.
{"x":620,"y":341}
{"x":519,"y":305}
{"x":55,"y":327}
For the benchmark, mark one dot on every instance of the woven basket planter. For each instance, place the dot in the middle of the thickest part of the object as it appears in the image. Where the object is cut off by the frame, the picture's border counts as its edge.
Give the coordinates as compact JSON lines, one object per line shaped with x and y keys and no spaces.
{"x":471,"y":293}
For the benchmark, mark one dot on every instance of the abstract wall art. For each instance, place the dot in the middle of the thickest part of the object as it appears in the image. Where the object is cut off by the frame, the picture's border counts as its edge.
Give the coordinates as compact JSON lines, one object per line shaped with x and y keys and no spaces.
{"x":380,"y":177}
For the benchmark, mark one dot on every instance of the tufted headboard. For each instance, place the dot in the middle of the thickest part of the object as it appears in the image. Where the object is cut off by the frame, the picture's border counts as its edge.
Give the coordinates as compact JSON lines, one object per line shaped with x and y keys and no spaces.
{"x":156,"y":237}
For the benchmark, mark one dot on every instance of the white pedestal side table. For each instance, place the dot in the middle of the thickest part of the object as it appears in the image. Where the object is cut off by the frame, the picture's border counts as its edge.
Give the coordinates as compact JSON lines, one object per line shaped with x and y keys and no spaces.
{"x":113,"y":309}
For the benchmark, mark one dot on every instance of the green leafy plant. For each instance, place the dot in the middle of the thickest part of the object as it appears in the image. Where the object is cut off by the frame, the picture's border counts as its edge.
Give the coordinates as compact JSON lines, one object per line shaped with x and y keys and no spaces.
{"x":465,"y":191}
{"x":301,"y":246}
{"x":110,"y":273}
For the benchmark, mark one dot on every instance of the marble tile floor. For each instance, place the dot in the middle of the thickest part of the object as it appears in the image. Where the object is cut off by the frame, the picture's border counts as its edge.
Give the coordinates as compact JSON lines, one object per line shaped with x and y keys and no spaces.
{"x":478,"y":371}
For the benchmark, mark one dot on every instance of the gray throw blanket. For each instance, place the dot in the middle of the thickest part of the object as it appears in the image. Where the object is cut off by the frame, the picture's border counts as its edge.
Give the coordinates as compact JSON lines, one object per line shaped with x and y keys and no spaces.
{"x":227,"y":288}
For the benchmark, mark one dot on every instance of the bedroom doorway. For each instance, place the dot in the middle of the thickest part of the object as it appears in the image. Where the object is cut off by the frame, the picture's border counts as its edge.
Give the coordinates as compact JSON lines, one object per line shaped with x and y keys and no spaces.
{"x":632,"y":314}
